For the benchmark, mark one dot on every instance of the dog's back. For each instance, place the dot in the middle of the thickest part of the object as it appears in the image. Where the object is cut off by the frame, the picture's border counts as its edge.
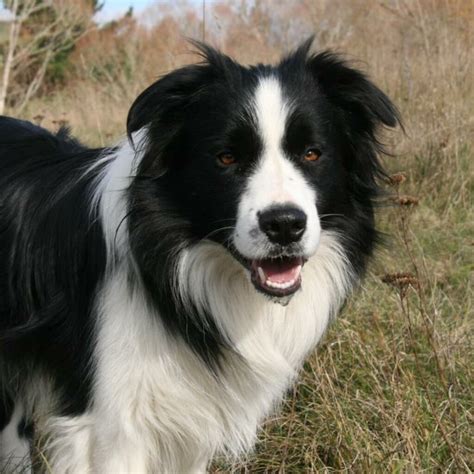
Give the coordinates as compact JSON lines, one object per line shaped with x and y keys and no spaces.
{"x":44,"y":307}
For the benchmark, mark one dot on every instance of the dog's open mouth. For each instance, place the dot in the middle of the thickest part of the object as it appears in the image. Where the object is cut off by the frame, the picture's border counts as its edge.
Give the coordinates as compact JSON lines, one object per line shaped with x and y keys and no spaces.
{"x":277,"y":277}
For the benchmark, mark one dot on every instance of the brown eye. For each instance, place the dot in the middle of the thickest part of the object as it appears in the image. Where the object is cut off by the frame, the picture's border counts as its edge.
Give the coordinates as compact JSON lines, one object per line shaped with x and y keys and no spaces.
{"x":226,"y":159}
{"x":313,"y":154}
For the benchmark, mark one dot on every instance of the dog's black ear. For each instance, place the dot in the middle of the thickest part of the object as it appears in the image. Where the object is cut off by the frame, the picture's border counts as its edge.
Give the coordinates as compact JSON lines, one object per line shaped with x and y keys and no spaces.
{"x":346,"y":87}
{"x":167,"y":97}
{"x":165,"y":102}
{"x":353,"y":91}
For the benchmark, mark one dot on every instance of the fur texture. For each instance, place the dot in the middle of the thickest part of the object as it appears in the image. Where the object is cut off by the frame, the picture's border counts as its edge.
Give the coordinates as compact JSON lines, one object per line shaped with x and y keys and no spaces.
{"x":158,"y":298}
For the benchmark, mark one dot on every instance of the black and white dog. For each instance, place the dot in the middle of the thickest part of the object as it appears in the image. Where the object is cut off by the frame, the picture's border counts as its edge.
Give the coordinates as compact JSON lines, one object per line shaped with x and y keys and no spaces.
{"x":158,"y":298}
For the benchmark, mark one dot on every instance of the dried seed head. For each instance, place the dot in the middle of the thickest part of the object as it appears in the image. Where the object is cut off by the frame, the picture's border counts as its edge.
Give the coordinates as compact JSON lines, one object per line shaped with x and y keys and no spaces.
{"x":406,"y":200}
{"x":401,"y":280}
{"x":61,"y":122}
{"x":396,"y":179}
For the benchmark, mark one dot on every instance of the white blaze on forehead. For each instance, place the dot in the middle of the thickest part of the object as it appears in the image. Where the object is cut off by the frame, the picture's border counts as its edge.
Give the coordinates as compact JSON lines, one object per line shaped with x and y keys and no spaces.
{"x":271,"y":112}
{"x":273,"y":176}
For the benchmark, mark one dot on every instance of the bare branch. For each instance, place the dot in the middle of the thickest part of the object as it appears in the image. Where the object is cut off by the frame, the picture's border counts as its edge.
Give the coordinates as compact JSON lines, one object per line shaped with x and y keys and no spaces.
{"x":7,"y":68}
{"x":30,"y":51}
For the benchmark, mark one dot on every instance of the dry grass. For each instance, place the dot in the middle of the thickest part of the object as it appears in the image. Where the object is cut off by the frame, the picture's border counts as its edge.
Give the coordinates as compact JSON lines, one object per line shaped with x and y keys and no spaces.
{"x":391,"y":387}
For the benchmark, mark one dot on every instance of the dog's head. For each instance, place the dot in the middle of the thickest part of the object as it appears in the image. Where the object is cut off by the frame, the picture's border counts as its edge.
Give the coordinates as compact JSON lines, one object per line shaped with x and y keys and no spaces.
{"x":261,"y":160}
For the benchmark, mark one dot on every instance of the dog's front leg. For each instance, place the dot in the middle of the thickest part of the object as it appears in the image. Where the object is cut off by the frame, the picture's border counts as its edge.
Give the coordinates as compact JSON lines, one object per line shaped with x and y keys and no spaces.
{"x":123,"y":455}
{"x":115,"y":452}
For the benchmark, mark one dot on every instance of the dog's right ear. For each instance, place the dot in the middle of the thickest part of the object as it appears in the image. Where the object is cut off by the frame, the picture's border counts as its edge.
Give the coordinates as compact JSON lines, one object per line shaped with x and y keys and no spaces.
{"x":165,"y":102}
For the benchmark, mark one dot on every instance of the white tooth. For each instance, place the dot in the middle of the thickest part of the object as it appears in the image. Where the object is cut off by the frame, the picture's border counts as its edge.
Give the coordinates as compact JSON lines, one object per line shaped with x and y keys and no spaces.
{"x":261,"y":274}
{"x":275,"y":284}
{"x":282,"y":286}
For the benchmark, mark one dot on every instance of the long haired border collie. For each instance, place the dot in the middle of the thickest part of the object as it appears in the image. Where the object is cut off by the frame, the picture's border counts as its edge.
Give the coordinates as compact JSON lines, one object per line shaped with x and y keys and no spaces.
{"x":159,"y":297}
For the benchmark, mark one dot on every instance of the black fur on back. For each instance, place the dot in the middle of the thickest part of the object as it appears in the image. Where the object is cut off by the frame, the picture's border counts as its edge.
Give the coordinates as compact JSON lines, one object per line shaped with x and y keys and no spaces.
{"x":51,"y":257}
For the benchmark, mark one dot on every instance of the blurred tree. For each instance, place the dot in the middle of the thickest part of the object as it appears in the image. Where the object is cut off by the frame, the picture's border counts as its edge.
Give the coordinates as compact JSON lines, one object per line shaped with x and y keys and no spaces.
{"x":42,"y":34}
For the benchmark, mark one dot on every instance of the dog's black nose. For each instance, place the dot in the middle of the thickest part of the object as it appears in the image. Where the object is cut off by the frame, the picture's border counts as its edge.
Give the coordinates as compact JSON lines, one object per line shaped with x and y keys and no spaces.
{"x":283,"y":225}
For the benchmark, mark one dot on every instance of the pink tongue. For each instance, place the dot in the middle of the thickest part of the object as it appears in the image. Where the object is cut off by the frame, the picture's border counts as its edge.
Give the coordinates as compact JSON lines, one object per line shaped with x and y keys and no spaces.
{"x":281,"y":271}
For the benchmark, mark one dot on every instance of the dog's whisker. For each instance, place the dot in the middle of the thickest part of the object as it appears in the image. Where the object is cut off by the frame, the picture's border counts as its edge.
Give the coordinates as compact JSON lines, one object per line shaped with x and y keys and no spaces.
{"x":216,"y":231}
{"x":322,"y":216}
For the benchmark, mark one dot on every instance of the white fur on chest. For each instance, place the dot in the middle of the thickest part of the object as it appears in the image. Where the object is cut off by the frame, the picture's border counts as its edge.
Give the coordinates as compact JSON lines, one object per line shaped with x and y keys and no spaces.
{"x":158,"y":407}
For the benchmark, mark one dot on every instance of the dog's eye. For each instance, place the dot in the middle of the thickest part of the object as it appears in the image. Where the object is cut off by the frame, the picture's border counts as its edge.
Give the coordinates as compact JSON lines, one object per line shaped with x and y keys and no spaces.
{"x":312,"y":154}
{"x":226,"y":159}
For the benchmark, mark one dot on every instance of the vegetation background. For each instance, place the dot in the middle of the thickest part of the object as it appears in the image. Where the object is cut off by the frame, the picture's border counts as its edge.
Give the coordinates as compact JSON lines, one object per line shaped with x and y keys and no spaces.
{"x":390,"y":389}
